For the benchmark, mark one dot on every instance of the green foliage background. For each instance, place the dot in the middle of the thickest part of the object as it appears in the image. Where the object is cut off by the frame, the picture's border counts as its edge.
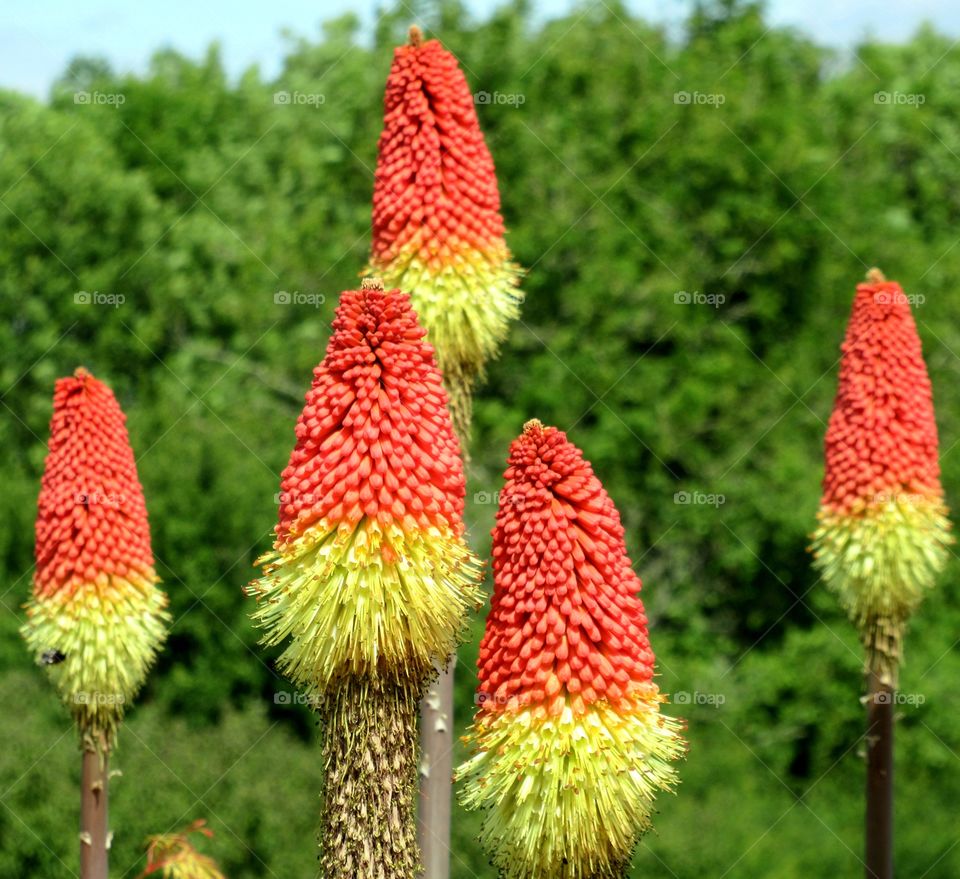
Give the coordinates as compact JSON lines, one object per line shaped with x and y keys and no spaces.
{"x":199,"y":198}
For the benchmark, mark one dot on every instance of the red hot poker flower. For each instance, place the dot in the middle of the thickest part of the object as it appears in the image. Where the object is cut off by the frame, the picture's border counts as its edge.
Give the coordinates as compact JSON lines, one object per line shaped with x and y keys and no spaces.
{"x":883,"y":530}
{"x":437,"y":229}
{"x":571,"y":747}
{"x":370,"y":573}
{"x":95,"y":606}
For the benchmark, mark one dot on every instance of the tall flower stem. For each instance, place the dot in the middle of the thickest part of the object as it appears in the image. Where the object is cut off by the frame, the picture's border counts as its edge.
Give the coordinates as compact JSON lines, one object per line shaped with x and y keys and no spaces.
{"x":94,"y":796}
{"x":436,"y":770}
{"x":879,"y":824}
{"x":370,"y":757}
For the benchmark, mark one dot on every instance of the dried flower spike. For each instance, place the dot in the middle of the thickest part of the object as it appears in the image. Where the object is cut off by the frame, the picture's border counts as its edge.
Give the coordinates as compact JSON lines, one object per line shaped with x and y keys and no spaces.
{"x":96,"y":618}
{"x":883,"y":530}
{"x":571,"y":747}
{"x":437,"y":229}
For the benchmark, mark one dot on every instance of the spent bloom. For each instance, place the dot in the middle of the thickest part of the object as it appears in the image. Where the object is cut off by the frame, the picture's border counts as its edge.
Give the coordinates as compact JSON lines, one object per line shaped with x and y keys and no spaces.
{"x":437,"y":229}
{"x":882,"y":532}
{"x":96,"y":617}
{"x":173,"y":856}
{"x":570,"y":745}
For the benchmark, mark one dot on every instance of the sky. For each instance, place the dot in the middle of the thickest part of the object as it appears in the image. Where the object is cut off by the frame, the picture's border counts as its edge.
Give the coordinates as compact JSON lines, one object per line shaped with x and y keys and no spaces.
{"x":39,"y":37}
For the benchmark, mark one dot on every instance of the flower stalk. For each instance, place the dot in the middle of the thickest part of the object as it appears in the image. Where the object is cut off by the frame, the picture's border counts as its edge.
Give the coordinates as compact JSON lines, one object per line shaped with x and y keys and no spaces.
{"x":95,"y":619}
{"x":883,"y":532}
{"x":370,"y":578}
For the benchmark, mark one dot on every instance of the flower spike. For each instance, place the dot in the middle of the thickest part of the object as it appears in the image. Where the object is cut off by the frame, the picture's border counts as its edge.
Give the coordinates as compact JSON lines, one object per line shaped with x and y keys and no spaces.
{"x":571,"y":747}
{"x":883,"y":530}
{"x":96,"y":618}
{"x":370,"y":577}
{"x":437,"y":229}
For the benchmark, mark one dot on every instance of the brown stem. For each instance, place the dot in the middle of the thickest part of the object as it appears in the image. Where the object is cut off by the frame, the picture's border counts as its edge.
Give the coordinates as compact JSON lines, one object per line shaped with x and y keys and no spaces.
{"x":879,"y":827}
{"x":94,"y":836}
{"x":416,"y":36}
{"x":436,"y":772}
{"x":367,"y":825}
{"x":875,"y":276}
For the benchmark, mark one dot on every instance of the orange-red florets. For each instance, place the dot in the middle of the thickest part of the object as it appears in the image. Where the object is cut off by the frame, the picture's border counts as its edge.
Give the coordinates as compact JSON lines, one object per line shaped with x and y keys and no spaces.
{"x":91,"y":519}
{"x":436,"y":189}
{"x":565,"y":619}
{"x":374,"y":439}
{"x":882,"y":435}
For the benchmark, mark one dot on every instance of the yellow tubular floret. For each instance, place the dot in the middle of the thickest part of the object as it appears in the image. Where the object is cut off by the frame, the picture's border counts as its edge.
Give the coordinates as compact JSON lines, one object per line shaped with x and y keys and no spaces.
{"x":880,"y":561}
{"x":365,"y":600}
{"x":569,"y":795}
{"x":108,"y":634}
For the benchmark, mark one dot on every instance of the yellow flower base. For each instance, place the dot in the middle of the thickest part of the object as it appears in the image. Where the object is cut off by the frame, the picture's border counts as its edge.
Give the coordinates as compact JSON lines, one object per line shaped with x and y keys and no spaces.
{"x":108,"y":633}
{"x":365,"y":600}
{"x":567,"y":796}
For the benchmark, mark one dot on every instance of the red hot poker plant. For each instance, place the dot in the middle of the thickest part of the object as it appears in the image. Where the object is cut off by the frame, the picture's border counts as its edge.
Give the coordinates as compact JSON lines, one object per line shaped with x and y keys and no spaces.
{"x":571,"y":745}
{"x":370,"y":578}
{"x":96,"y":618}
{"x":883,"y":529}
{"x":437,"y":229}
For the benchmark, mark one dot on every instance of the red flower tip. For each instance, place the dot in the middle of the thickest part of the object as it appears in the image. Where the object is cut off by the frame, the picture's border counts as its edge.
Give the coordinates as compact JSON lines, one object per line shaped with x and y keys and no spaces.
{"x":374,"y":438}
{"x":92,"y":519}
{"x":435,"y":187}
{"x":566,"y":621}
{"x":882,"y":436}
